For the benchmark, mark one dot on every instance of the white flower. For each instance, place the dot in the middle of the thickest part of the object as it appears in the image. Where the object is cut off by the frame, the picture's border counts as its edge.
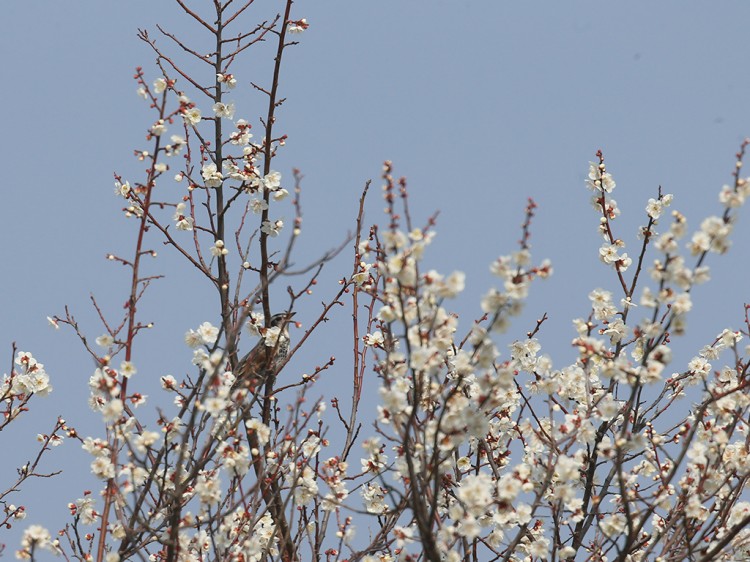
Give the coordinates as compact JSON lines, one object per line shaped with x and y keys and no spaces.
{"x":35,"y":537}
{"x":102,"y":468}
{"x":258,"y":205}
{"x":160,"y":85}
{"x":218,"y":249}
{"x":112,"y":410}
{"x":168,"y":382}
{"x":211,"y":175}
{"x":240,"y":138}
{"x":682,"y":303}
{"x":524,"y":353}
{"x":208,"y":333}
{"x":363,"y":274}
{"x":298,"y":26}
{"x":262,"y":431}
{"x":272,"y":180}
{"x":731,"y":198}
{"x":254,"y":323}
{"x":272,"y":228}
{"x":699,"y":366}
{"x":95,"y":447}
{"x":374,"y":496}
{"x":183,"y":222}
{"x":105,"y":340}
{"x":375,"y":339}
{"x":127,"y":369}
{"x":225,"y":110}
{"x":18,"y":513}
{"x":608,"y":253}
{"x":146,"y":439}
{"x":304,"y":485}
{"x":193,"y":339}
{"x":33,"y":378}
{"x":475,"y":493}
{"x":613,"y":525}
{"x":599,"y":179}
{"x":193,"y":116}
{"x":208,"y":488}
{"x":122,"y":189}
{"x":159,"y":128}
{"x":601,"y":302}
{"x":654,"y":208}
{"x":227,"y":79}
{"x":177,"y":143}
{"x":453,"y":285}
{"x":214,"y":405}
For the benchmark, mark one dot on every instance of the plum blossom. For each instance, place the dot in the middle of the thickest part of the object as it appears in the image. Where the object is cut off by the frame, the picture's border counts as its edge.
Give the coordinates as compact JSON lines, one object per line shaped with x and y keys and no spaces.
{"x":122,"y":189}
{"x":363,"y":274}
{"x":227,"y":79}
{"x":255,"y":322}
{"x":105,"y":340}
{"x":182,"y":222}
{"x":258,"y":205}
{"x":211,"y":175}
{"x":35,"y":538}
{"x":159,"y":128}
{"x":272,"y":228}
{"x":32,"y":378}
{"x":374,"y":498}
{"x":298,"y":26}
{"x":224,"y":110}
{"x":160,"y":84}
{"x":599,"y":179}
{"x":218,"y":249}
{"x":375,"y":339}
{"x":271,"y":181}
{"x":127,"y":369}
{"x":192,"y":116}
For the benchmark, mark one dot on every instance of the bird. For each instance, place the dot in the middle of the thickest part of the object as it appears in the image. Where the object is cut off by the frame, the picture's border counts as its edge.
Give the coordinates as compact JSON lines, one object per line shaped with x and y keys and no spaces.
{"x":264,"y":360}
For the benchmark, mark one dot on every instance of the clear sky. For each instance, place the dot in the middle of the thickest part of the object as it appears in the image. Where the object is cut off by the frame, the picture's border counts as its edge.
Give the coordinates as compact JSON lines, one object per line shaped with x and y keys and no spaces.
{"x":481,"y":104}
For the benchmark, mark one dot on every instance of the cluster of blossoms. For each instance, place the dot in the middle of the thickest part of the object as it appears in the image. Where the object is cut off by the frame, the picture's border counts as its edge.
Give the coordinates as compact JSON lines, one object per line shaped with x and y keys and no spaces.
{"x":445,"y":398}
{"x":242,"y":537}
{"x":35,"y":539}
{"x":474,"y":448}
{"x":250,"y":538}
{"x":508,"y":452}
{"x":242,"y":168}
{"x":17,"y":388}
{"x":601,"y":183}
{"x":227,"y":79}
{"x":105,"y":384}
{"x":27,"y":379}
{"x":30,"y":378}
{"x":516,"y":273}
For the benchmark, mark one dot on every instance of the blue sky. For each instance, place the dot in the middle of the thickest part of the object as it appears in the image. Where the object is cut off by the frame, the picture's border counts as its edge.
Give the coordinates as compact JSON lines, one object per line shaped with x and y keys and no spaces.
{"x":480,"y":104}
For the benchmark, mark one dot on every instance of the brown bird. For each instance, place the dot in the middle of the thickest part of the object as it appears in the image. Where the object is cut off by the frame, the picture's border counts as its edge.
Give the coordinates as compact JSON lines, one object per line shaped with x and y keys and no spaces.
{"x":264,"y":360}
